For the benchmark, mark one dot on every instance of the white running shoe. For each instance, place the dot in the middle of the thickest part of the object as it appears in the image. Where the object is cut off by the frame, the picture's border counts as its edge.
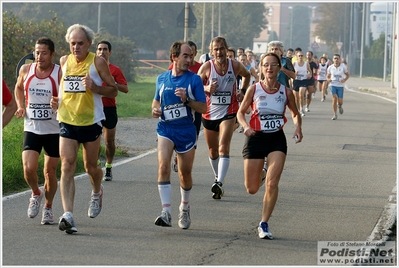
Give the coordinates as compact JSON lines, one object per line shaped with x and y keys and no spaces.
{"x":95,"y":204}
{"x":34,"y":204}
{"x":264,"y":232}
{"x":334,"y":117}
{"x":263,"y":177}
{"x":174,"y":164}
{"x":67,"y":224}
{"x":184,"y":218}
{"x":164,"y":220}
{"x":47,"y":216}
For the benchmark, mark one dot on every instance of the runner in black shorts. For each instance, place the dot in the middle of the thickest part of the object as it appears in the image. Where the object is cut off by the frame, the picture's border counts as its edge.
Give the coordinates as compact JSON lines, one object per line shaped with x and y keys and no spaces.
{"x":214,"y":124}
{"x":111,"y":117}
{"x":81,"y":134}
{"x":48,"y":142}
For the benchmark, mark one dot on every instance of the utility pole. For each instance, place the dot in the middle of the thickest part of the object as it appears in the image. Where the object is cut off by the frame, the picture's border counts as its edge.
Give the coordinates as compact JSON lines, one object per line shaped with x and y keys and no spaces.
{"x":362,"y":42}
{"x":99,"y":17}
{"x":203,"y":30}
{"x":185,"y":22}
{"x":213,"y":11}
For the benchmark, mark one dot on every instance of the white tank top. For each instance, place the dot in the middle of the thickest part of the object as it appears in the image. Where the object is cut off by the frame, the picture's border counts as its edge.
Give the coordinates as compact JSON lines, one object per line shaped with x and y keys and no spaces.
{"x":268,"y":109}
{"x":224,"y":101}
{"x":302,"y":71}
{"x":322,"y":72}
{"x":40,"y":118}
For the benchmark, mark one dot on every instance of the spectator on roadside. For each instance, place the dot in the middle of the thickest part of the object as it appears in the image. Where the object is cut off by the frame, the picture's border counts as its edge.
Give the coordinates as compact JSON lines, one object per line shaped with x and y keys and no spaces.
{"x":80,"y":114}
{"x":104,"y":50}
{"x":37,"y":83}
{"x":10,"y":106}
{"x":178,"y":92}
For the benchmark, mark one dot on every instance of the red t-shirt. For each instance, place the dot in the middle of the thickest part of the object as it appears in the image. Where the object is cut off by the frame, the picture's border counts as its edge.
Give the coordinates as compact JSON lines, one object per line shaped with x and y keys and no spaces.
{"x":119,"y":78}
{"x":194,"y":68}
{"x":7,"y":96}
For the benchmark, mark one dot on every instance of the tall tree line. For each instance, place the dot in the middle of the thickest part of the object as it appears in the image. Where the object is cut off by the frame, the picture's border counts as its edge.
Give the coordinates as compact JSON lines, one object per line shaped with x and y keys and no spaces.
{"x":154,"y":25}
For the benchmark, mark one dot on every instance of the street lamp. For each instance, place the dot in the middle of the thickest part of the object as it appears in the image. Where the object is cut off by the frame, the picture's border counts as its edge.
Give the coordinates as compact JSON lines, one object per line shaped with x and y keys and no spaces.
{"x":292,"y":13}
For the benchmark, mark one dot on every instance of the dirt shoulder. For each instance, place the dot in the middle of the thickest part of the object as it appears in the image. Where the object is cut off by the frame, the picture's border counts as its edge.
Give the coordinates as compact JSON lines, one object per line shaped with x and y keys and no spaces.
{"x":135,"y":135}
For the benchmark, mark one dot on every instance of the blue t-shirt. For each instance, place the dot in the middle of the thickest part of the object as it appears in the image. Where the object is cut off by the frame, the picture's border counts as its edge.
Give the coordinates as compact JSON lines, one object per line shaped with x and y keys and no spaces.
{"x":174,"y":111}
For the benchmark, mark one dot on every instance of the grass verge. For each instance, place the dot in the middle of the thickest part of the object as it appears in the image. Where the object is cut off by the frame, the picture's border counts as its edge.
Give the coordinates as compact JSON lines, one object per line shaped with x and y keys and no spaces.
{"x":136,"y":103}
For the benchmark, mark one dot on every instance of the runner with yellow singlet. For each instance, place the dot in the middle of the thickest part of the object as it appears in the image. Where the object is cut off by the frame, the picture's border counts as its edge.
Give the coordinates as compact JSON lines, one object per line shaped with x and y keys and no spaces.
{"x":80,"y":113}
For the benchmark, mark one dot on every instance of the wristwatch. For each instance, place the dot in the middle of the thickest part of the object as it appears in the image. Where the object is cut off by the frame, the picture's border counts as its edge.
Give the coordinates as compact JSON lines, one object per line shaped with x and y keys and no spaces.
{"x":187,"y":100}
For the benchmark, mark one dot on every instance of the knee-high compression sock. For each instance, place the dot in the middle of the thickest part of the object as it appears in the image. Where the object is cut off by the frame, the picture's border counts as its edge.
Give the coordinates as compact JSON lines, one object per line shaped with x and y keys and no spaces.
{"x":214,"y":165}
{"x":165,"y":192}
{"x":224,"y":162}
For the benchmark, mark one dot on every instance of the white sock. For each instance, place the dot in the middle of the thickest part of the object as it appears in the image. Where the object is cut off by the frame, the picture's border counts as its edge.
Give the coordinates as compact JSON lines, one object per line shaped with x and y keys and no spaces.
{"x":224,"y":163}
{"x":165,"y":191}
{"x":185,"y":197}
{"x":214,"y":165}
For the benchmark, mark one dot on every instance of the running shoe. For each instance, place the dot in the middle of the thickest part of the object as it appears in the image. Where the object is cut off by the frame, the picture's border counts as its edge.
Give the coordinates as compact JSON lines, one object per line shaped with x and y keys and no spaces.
{"x":341,"y":110}
{"x":108,"y":174}
{"x":334,"y":117}
{"x":184,"y":218}
{"x":67,"y":224}
{"x":323,"y":99}
{"x":241,"y":130}
{"x":95,"y":204}
{"x":302,"y":113}
{"x":47,"y":216}
{"x":263,"y":176}
{"x":34,"y":204}
{"x":175,"y":168}
{"x":264,"y":232}
{"x":307,"y":109}
{"x":164,"y":220}
{"x":217,"y":190}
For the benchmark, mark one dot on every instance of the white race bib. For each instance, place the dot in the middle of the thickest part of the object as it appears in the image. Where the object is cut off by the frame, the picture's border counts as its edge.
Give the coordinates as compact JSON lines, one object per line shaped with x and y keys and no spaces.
{"x":39,"y":111}
{"x":73,"y":84}
{"x":221,"y":98}
{"x":271,"y":122}
{"x":174,"y":111}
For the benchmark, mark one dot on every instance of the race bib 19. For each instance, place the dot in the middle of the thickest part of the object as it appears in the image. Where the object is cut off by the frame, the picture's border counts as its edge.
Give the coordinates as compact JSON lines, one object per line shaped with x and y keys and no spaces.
{"x":174,"y":111}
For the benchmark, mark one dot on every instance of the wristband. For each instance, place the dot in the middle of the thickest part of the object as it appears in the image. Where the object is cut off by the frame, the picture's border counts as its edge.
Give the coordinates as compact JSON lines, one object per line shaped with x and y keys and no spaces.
{"x":187,"y":100}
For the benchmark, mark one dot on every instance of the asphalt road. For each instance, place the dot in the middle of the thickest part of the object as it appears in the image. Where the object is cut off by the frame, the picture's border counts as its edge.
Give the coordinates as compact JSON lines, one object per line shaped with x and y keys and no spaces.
{"x":334,"y":187}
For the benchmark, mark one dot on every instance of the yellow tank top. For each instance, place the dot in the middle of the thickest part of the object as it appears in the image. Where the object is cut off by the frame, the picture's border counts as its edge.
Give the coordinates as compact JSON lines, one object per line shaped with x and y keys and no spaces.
{"x":79,"y":106}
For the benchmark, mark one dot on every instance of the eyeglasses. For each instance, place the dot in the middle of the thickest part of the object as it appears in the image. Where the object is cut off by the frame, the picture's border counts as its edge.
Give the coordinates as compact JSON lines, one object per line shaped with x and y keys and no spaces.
{"x":272,"y":65}
{"x":300,"y":55}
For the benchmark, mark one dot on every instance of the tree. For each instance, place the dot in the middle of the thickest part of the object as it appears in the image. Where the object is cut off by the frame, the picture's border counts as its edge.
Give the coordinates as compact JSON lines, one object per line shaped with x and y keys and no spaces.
{"x":121,"y":47}
{"x":240,"y":23}
{"x":300,"y":27}
{"x":273,"y":36}
{"x":19,"y":37}
{"x":378,"y":47}
{"x":334,"y":24}
{"x":153,"y":25}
